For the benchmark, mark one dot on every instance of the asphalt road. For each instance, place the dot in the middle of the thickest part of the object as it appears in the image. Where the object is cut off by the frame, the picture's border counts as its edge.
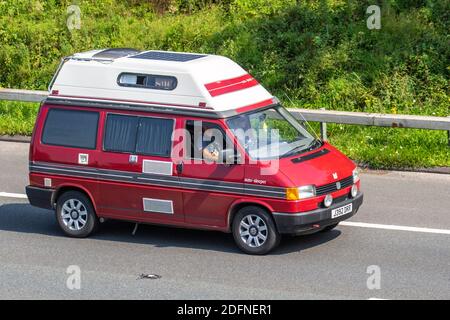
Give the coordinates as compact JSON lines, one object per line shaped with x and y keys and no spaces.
{"x":404,"y":231}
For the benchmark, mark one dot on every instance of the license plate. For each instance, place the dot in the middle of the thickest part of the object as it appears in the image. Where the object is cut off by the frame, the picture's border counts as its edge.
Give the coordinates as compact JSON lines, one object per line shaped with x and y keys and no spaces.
{"x":341,"y":211}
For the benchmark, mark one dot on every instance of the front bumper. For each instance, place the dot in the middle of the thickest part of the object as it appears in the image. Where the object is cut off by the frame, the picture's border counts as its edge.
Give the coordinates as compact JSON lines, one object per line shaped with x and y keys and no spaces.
{"x":315,"y":220}
{"x":40,"y":197}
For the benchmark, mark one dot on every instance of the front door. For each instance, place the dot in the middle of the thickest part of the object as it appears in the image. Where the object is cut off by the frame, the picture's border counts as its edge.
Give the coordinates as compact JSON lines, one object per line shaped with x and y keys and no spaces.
{"x":210,"y":184}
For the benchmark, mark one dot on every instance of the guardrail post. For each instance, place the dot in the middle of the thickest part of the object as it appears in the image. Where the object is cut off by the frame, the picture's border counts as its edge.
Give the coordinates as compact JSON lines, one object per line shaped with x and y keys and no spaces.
{"x":323,"y":129}
{"x":448,"y":136}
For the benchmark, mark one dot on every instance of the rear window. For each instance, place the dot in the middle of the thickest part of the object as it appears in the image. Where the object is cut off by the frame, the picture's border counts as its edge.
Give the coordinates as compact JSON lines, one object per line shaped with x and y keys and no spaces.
{"x":140,"y":135}
{"x":121,"y":133}
{"x":71,"y":128}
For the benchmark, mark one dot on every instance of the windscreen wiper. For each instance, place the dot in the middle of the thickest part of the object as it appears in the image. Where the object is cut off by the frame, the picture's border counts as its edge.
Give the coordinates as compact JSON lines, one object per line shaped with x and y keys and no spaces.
{"x":310,"y":147}
{"x":293,"y":151}
{"x":313,"y":143}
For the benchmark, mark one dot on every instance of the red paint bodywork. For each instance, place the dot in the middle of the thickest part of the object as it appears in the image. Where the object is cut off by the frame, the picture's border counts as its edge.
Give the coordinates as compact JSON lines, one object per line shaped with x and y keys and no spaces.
{"x":205,"y":209}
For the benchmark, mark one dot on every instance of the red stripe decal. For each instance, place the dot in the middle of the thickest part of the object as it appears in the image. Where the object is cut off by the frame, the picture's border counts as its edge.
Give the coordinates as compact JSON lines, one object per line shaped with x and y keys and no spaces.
{"x":255,"y":105}
{"x":230,"y":85}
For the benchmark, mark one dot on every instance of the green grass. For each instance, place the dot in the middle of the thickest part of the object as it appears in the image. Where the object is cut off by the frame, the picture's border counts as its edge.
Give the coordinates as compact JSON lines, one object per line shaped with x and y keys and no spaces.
{"x":17,"y":117}
{"x":389,"y":148}
{"x":318,"y":52}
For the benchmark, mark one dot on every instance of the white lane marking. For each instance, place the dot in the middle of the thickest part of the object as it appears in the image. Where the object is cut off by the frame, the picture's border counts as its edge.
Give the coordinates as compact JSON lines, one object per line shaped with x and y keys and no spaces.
{"x":393,"y":227}
{"x":13,"y":195}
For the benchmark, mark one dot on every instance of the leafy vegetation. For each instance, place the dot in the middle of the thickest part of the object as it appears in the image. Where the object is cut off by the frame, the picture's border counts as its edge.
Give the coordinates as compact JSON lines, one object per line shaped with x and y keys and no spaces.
{"x":319,"y":53}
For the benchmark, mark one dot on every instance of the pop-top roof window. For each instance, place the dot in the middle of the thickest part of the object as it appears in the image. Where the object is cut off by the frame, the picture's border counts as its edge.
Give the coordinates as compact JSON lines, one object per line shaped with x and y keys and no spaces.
{"x":168,"y":56}
{"x":148,"y":81}
{"x":115,"y":53}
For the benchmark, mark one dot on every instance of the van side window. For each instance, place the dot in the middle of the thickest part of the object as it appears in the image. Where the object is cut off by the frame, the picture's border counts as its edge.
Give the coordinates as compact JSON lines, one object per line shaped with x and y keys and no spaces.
{"x":140,"y":135}
{"x":71,"y":128}
{"x":121,"y":133}
{"x":155,"y":137}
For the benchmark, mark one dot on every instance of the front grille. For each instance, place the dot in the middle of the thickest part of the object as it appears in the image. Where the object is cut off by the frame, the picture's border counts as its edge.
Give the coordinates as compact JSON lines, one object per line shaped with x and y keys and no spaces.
{"x":332,"y":187}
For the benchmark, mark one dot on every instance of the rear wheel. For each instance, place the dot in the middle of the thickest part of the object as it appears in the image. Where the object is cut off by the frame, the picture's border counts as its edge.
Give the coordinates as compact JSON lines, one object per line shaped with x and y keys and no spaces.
{"x":254,"y":231}
{"x":76,"y":215}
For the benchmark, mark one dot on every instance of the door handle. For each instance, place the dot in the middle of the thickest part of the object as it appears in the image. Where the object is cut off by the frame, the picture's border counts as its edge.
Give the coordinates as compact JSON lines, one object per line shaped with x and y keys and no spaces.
{"x":179,"y":167}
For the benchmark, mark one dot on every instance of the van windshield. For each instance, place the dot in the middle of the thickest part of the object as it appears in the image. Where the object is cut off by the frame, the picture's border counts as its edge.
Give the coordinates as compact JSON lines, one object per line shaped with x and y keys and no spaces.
{"x":271,"y":134}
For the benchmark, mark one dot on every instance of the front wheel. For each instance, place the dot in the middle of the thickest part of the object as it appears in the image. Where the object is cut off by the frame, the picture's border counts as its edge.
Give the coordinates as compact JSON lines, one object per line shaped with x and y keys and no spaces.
{"x":254,"y":231}
{"x":76,"y":215}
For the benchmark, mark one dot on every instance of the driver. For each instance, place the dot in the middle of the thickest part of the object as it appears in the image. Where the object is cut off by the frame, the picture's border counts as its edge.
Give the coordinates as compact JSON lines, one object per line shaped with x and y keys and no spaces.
{"x":209,"y":146}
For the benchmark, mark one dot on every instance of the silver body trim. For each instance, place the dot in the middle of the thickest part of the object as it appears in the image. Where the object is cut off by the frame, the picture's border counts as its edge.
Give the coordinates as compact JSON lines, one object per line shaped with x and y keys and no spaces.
{"x":157,"y":205}
{"x":157,"y":167}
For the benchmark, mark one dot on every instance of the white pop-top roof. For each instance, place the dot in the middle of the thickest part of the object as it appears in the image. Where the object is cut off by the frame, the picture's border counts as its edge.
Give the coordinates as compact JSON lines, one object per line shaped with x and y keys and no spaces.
{"x":206,"y":82}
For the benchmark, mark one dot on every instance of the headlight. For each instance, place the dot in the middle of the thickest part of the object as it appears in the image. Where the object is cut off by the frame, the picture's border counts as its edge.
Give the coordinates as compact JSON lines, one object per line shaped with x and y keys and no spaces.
{"x":354,"y":190}
{"x":355,"y":174}
{"x":328,"y":200}
{"x":302,"y":192}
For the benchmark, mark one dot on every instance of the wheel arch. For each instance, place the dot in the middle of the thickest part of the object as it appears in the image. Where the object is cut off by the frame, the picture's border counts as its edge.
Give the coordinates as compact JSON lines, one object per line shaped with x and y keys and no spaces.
{"x":70,"y":187}
{"x":238,"y":205}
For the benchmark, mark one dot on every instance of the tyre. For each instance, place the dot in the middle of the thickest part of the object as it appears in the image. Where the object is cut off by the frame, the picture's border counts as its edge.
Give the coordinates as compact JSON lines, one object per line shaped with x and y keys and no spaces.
{"x":330,"y":227}
{"x":254,"y":231}
{"x":76,"y":215}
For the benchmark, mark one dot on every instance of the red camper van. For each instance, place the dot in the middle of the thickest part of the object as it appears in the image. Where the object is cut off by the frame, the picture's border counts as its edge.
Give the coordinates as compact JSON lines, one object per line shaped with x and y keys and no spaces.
{"x":182,"y":139}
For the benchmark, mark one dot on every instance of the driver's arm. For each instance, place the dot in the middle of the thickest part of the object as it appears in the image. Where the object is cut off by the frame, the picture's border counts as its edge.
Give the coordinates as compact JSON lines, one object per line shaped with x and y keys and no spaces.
{"x":212,"y":156}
